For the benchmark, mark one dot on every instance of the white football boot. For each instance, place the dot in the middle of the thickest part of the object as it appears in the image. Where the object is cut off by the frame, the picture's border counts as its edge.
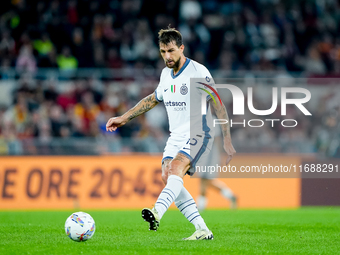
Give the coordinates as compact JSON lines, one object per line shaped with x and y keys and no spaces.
{"x":201,"y":234}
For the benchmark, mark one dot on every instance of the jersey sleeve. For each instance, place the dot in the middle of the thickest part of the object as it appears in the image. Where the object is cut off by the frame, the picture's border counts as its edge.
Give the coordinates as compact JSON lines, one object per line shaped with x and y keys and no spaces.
{"x":208,"y":81}
{"x":159,"y":89}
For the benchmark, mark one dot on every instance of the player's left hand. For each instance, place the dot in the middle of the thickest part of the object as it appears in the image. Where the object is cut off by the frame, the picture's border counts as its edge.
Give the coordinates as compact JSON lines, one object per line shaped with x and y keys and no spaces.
{"x":229,"y":149}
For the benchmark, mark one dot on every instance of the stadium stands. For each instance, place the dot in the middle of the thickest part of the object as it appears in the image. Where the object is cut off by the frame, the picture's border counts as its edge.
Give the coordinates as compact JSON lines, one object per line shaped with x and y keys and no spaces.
{"x":67,"y":66}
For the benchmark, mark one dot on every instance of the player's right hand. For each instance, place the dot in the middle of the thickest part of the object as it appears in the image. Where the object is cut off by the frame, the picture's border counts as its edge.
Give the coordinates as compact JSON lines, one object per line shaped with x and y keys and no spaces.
{"x":114,"y":123}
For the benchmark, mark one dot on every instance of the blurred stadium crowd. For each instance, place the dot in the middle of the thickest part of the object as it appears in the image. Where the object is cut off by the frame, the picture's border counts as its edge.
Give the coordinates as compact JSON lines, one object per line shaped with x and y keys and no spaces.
{"x":229,"y":35}
{"x":44,"y":116}
{"x":43,"y":120}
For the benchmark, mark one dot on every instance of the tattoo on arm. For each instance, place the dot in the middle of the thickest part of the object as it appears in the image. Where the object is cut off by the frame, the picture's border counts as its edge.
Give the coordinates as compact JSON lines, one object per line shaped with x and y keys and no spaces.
{"x":143,"y":106}
{"x":222,"y":113}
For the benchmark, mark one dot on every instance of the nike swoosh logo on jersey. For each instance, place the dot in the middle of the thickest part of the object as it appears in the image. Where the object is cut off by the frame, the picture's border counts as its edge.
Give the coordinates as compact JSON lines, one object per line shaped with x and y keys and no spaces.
{"x":165,"y":90}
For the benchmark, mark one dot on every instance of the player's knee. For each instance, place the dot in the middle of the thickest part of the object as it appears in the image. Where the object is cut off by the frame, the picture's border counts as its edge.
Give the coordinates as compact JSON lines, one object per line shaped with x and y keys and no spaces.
{"x":175,"y":168}
{"x":165,"y":178}
{"x":172,"y":168}
{"x":165,"y":172}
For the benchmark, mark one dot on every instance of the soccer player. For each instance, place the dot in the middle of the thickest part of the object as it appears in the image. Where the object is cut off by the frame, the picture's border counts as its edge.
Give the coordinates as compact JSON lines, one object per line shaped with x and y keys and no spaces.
{"x":184,"y":149}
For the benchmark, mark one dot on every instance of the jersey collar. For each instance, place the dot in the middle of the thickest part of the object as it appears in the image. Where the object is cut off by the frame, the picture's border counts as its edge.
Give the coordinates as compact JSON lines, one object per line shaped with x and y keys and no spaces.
{"x":181,"y":70}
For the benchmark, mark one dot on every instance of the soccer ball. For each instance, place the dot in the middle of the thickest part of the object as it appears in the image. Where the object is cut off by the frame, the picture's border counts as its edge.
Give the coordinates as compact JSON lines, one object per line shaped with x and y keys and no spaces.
{"x":80,"y":226}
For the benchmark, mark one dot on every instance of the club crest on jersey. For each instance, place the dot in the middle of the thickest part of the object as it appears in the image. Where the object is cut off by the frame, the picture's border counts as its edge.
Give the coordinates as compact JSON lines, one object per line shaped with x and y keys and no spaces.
{"x":207,"y":79}
{"x":173,"y":88}
{"x":184,"y":89}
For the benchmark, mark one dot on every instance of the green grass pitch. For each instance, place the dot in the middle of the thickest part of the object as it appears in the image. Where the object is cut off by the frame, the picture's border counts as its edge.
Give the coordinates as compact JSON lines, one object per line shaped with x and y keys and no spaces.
{"x":301,"y":231}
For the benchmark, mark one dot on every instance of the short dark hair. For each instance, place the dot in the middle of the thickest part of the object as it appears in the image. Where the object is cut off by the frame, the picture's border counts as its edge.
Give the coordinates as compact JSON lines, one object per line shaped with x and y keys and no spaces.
{"x":166,"y":36}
